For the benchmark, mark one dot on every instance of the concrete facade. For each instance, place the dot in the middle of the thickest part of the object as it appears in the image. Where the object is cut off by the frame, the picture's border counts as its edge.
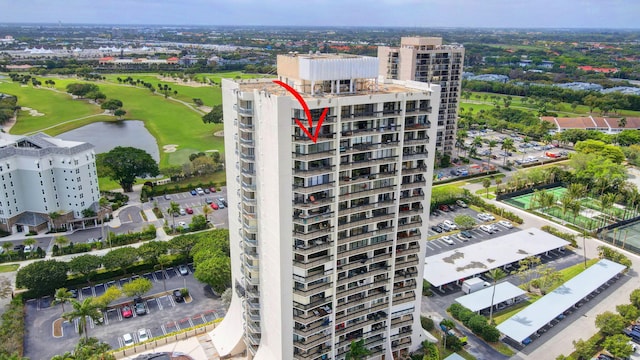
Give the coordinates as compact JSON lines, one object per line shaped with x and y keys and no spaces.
{"x":40,"y":175}
{"x":326,"y":237}
{"x":425,"y":59}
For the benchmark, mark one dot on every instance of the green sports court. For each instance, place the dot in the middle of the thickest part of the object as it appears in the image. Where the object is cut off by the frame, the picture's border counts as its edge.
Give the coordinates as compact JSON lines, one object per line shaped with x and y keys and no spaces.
{"x":524,"y":201}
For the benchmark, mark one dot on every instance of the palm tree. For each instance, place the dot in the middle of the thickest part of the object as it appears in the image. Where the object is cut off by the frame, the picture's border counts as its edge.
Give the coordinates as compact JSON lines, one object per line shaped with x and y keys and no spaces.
{"x":206,"y":210}
{"x":498,"y":181}
{"x":174,"y":209}
{"x":566,"y":201}
{"x":477,"y":141}
{"x":496,"y":275}
{"x":61,"y":296}
{"x":486,"y":183}
{"x":7,"y":245}
{"x":492,"y":144}
{"x":576,"y":207}
{"x":621,"y":124}
{"x":61,"y":241}
{"x":507,"y":146}
{"x":460,"y":136}
{"x":576,"y":191}
{"x":607,"y":200}
{"x":53,"y":216}
{"x":82,"y":310}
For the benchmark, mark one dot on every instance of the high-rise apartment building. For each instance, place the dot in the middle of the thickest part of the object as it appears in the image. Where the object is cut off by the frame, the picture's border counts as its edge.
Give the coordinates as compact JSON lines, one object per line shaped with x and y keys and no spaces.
{"x":425,"y":59}
{"x":327,"y":238}
{"x":40,"y":175}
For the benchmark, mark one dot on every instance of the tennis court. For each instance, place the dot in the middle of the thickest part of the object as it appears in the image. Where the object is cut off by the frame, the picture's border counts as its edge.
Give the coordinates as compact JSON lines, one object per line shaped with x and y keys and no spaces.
{"x":524,"y":201}
{"x":626,"y":237}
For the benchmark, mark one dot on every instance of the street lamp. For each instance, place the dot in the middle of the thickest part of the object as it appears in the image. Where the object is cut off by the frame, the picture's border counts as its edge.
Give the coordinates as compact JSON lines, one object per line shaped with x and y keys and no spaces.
{"x":584,"y":247}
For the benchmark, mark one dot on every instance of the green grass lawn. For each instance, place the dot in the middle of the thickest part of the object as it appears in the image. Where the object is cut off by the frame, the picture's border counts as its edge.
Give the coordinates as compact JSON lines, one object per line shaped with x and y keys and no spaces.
{"x":56,"y":107}
{"x":8,"y":268}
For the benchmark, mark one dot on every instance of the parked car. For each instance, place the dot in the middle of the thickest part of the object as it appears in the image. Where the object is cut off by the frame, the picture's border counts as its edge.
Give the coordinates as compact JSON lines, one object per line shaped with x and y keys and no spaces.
{"x":435,"y":213}
{"x":167,"y":197}
{"x":462,"y":237}
{"x":126,"y":311}
{"x":182,"y":211}
{"x":445,"y":227}
{"x":140,"y":308}
{"x":451,"y":224}
{"x":461,"y":203}
{"x":189,"y":210}
{"x":436,"y":228}
{"x":447,"y":240}
{"x":177,"y":295}
{"x":74,"y":293}
{"x":212,"y":189}
{"x":223,"y":201}
{"x":486,"y":228}
{"x":505,"y":223}
{"x":206,"y":190}
{"x":444,"y":208}
{"x":208,"y":200}
{"x":194,"y":193}
{"x":128,"y":339}
{"x":199,"y":191}
{"x":183,"y":270}
{"x":143,"y":335}
{"x":466,"y":234}
{"x":182,"y":224}
{"x":28,"y":249}
{"x":214,"y":206}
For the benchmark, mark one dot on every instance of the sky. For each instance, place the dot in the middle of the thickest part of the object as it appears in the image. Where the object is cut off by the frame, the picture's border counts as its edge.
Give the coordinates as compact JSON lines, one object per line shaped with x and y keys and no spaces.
{"x":376,"y":13}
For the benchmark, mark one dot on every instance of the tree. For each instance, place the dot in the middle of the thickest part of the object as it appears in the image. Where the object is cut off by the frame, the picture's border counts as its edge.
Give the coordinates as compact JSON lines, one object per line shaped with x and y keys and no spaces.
{"x":173,"y":210}
{"x":183,"y":244}
{"x":206,"y":210}
{"x":628,"y":311}
{"x":30,"y":242}
{"x":124,"y":164}
{"x":88,"y":349}
{"x":491,"y":145}
{"x":137,"y":287}
{"x":214,"y":271}
{"x":81,"y":311}
{"x":610,"y":323}
{"x":119,"y":113}
{"x":618,"y":345}
{"x":120,"y":258}
{"x":61,"y":296}
{"x":464,"y":222}
{"x":357,"y":351}
{"x":634,"y":297}
{"x":198,"y":222}
{"x":486,"y":183}
{"x":496,"y":275}
{"x":81,"y":90}
{"x":95,"y":95}
{"x":85,"y":265}
{"x":213,"y":116}
{"x":584,"y":349}
{"x":42,"y":277}
{"x":7,"y":245}
{"x":150,"y":251}
{"x":61,"y":241}
{"x":111,"y":294}
{"x":111,"y":105}
{"x":6,"y":289}
{"x":198,"y":101}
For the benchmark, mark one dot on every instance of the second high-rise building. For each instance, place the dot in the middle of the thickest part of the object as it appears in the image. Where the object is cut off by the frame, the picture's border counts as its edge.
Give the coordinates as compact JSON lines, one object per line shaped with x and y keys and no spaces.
{"x":327,"y":237}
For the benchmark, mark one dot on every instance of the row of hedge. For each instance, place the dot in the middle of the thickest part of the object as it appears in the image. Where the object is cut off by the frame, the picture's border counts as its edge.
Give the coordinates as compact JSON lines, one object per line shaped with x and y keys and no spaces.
{"x":561,"y":234}
{"x":474,"y":322}
{"x":477,"y":201}
{"x":148,"y":233}
{"x":12,"y":330}
{"x":177,"y":188}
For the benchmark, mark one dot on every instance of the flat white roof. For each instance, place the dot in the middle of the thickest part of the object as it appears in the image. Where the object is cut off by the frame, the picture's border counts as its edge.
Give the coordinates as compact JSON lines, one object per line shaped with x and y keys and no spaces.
{"x":478,"y":258}
{"x":526,"y":322}
{"x":481,"y":299}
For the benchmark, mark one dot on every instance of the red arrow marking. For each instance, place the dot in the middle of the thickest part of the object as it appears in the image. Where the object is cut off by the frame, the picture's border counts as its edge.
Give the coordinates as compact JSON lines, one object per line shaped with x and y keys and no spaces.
{"x":307,"y":112}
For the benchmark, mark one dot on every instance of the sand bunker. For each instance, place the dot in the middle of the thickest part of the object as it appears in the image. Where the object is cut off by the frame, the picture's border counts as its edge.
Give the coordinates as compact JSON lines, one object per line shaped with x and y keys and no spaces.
{"x":219,"y":133}
{"x":32,"y":112}
{"x":211,"y":151}
{"x":170,"y":148}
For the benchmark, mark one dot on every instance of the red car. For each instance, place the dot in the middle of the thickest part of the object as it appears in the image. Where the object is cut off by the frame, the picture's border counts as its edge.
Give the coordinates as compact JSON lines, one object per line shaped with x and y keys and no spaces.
{"x":214,"y":206}
{"x":189,"y":210}
{"x":126,"y":311}
{"x":213,"y":189}
{"x":444,"y":208}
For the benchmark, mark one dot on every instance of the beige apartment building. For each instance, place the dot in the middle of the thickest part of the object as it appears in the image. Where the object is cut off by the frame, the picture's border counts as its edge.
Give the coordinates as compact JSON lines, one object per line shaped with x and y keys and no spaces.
{"x":426,"y":59}
{"x":327,"y":238}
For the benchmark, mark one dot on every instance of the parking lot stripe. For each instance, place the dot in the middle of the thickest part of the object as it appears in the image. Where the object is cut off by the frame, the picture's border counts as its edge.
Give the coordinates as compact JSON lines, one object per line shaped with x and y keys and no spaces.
{"x":434,"y":243}
{"x":164,"y":330}
{"x":159,"y":303}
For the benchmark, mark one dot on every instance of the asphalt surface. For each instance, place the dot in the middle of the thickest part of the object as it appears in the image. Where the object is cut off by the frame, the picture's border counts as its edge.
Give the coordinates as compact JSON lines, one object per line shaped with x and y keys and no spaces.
{"x":164,"y":315}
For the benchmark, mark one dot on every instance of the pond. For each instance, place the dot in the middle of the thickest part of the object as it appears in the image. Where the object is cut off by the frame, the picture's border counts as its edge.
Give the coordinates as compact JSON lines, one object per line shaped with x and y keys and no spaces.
{"x":107,"y":135}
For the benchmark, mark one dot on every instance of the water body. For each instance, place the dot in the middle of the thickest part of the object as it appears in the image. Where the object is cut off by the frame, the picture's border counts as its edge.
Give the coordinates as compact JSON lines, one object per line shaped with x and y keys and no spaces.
{"x":107,"y":135}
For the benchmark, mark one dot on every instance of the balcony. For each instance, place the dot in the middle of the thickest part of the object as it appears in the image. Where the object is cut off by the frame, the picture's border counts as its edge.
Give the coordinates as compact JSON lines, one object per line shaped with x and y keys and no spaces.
{"x":304,"y":139}
{"x":415,"y":170}
{"x":312,"y":234}
{"x":315,"y":288}
{"x":415,"y":155}
{"x":411,"y":198}
{"x":368,"y":311}
{"x":372,"y":219}
{"x":318,"y":245}
{"x":410,"y":225}
{"x":361,"y":276}
{"x":403,"y":299}
{"x":313,"y":188}
{"x":365,"y":249}
{"x":415,"y":184}
{"x":367,"y":192}
{"x":415,"y":126}
{"x":360,"y":288}
{"x":366,"y":130}
{"x":402,"y":321}
{"x":364,"y":235}
{"x":356,"y":264}
{"x":306,"y":264}
{"x":368,"y":162}
{"x":403,"y":239}
{"x":418,"y":141}
{"x":362,"y":299}
{"x":406,"y":263}
{"x":314,"y":171}
{"x":243,"y":111}
{"x":365,"y":207}
{"x":314,"y":156}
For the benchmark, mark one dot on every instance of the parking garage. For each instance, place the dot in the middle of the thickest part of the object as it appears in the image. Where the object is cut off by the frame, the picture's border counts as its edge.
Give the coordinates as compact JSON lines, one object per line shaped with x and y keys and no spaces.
{"x":502,"y":252}
{"x":528,"y":323}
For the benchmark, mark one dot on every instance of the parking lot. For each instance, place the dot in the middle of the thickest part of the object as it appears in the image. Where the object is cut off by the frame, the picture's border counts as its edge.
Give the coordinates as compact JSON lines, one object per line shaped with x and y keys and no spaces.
{"x":438,"y":245}
{"x":219,"y":217}
{"x":163,"y":314}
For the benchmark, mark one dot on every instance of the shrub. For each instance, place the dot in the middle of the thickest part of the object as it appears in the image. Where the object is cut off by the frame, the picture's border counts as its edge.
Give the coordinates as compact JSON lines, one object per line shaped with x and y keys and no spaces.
{"x":430,"y":351}
{"x":12,"y":330}
{"x":561,"y":234}
{"x":476,"y":200}
{"x":490,"y":333}
{"x":453,"y":343}
{"x":454,"y":310}
{"x":426,"y":288}
{"x":477,"y":323}
{"x":464,"y":315}
{"x":427,"y":323}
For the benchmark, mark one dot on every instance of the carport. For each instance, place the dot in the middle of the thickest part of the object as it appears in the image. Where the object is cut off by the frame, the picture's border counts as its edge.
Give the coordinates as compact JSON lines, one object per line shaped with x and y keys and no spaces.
{"x":470,"y":261}
{"x":521,"y":326}
{"x":481,"y":299}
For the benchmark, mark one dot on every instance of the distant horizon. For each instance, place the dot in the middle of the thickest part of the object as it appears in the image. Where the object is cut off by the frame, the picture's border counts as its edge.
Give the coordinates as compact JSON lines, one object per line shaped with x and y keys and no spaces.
{"x":472,"y":14}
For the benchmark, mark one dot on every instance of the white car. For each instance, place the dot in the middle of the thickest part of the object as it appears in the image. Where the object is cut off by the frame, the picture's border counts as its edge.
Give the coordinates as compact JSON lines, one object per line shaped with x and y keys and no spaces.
{"x":483,"y":217}
{"x":462,"y":237}
{"x":447,"y":240}
{"x":183,"y":225}
{"x":505,"y":223}
{"x":143,"y":335}
{"x":451,"y":224}
{"x":27,"y":249}
{"x":183,"y":212}
{"x":486,"y":228}
{"x":199,"y":191}
{"x":128,"y":339}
